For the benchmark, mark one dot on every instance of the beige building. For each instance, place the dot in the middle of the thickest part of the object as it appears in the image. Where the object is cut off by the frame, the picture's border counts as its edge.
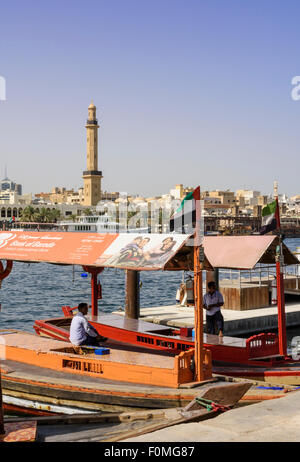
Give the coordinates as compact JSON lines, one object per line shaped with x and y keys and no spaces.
{"x":179,"y":192}
{"x":247,"y":197}
{"x":61,"y":196}
{"x":92,"y":176}
{"x":226,"y":197}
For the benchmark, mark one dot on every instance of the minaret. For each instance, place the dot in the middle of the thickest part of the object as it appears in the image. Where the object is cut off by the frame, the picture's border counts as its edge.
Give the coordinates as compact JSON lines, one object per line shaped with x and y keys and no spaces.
{"x":92,"y":176}
{"x":275,"y":189}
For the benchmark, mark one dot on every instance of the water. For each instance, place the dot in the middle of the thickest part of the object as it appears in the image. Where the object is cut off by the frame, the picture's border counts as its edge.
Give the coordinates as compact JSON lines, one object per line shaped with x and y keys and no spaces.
{"x":38,"y":291}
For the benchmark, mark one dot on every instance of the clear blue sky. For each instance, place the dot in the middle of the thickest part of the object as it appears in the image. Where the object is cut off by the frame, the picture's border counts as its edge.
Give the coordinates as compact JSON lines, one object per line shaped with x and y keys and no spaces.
{"x":192,"y":92}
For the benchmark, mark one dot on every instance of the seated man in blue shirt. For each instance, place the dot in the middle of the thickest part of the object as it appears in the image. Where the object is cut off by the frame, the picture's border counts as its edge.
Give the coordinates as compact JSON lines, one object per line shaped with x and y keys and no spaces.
{"x":212,"y":302}
{"x":81,"y":332}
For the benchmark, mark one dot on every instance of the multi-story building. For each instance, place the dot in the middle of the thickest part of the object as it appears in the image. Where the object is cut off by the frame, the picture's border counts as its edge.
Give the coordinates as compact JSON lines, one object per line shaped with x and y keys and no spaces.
{"x":179,"y":192}
{"x":226,"y":197}
{"x":7,"y":185}
{"x":247,"y":197}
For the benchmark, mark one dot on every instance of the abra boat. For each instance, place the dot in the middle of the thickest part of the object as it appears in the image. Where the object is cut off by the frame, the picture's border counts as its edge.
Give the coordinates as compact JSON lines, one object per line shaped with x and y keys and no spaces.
{"x":256,"y":358}
{"x":43,"y":374}
{"x":162,"y":338}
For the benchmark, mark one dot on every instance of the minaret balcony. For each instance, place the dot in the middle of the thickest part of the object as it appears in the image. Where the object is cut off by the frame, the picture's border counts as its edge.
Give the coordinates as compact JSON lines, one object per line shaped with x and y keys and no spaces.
{"x":92,"y":122}
{"x":92,"y":173}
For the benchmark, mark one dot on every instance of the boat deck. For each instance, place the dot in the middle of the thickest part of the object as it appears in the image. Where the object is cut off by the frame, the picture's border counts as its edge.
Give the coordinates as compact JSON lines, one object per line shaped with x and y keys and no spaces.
{"x":118,"y":352}
{"x":143,"y":327}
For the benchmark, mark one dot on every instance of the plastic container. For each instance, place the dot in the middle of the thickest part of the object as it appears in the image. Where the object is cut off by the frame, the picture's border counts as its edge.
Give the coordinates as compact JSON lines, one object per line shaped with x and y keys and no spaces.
{"x":102,"y":351}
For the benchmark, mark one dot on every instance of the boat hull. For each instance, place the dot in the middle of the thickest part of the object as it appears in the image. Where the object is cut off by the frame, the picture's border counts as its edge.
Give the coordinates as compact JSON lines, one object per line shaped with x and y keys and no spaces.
{"x":66,"y":393}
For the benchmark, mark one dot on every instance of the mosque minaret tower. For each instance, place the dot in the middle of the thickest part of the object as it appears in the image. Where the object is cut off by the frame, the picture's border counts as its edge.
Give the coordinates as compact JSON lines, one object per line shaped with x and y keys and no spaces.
{"x":92,"y":176}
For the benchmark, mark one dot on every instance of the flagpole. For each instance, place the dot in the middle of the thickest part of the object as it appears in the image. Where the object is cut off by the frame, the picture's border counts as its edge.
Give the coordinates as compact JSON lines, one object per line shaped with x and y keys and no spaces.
{"x":280,"y":289}
{"x":199,"y":352}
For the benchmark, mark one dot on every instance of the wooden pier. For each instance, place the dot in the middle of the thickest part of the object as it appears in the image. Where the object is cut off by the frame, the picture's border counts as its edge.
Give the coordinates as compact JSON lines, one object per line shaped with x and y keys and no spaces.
{"x":236,"y":322}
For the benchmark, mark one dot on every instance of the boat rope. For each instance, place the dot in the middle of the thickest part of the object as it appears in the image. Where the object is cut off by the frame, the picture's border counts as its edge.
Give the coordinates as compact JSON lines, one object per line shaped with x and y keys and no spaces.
{"x":211,"y":405}
{"x":271,"y":388}
{"x":277,"y":388}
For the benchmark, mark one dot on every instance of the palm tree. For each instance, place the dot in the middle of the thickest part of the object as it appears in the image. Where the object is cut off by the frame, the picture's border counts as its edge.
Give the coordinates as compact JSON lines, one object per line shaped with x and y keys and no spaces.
{"x":43,"y":216}
{"x":29,"y":214}
{"x":54,"y":215}
{"x":87,"y":212}
{"x":72,"y":217}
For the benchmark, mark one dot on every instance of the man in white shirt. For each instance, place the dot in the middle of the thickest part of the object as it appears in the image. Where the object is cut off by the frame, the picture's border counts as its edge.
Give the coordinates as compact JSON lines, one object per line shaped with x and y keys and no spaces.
{"x":212,"y":302}
{"x":81,"y":332}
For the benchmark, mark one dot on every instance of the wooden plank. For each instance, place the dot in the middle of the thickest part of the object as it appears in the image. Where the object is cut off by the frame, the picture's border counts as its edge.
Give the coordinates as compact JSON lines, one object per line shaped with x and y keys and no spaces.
{"x":197,"y":416}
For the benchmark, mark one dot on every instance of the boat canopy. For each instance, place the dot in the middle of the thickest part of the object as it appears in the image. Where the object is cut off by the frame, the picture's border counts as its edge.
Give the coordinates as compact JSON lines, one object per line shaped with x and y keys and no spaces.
{"x":244,"y":252}
{"x":126,"y":250}
{"x":137,"y":251}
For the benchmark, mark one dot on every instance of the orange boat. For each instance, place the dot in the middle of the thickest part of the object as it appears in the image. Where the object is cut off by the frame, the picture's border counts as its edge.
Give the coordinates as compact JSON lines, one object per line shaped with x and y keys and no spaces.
{"x":175,"y":349}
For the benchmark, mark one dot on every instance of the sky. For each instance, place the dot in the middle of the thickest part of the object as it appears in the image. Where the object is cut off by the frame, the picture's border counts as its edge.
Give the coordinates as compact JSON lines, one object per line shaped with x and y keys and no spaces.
{"x":195,"y":92}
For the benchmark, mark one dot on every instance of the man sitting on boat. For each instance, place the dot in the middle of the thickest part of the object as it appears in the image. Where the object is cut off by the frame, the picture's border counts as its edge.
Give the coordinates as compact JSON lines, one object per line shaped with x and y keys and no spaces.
{"x":81,"y":331}
{"x":212,"y":302}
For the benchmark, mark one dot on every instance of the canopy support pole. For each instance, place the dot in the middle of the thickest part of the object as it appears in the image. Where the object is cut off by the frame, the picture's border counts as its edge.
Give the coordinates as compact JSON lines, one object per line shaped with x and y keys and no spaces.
{"x":3,"y":274}
{"x":95,"y":289}
{"x":199,"y":351}
{"x":213,"y":276}
{"x":2,"y":430}
{"x":132,"y":302}
{"x":280,"y":290}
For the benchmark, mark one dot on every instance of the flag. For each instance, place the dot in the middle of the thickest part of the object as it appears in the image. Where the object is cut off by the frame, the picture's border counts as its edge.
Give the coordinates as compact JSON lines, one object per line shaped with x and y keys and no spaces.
{"x":270,"y":215}
{"x":12,"y":219}
{"x":184,"y":218}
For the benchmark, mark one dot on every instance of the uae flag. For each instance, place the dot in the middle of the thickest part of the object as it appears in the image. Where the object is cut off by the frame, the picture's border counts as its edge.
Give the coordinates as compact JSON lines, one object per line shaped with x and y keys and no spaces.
{"x":184,"y":218}
{"x":269,"y":220}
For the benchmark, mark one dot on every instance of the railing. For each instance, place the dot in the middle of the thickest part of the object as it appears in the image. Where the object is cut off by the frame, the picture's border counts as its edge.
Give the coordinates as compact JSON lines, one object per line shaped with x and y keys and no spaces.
{"x":262,"y":345}
{"x":262,"y":274}
{"x":185,"y":370}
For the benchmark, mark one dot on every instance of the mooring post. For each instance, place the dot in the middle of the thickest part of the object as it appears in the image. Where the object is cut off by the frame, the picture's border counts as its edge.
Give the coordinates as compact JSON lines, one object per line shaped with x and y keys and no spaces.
{"x":132,"y":299}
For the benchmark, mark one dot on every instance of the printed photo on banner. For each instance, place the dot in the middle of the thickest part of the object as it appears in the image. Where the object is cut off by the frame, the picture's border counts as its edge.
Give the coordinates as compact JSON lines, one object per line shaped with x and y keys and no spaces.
{"x":140,"y":251}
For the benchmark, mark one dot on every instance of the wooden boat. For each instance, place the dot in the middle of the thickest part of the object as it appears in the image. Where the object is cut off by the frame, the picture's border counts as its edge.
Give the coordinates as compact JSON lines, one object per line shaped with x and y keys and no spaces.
{"x":117,"y":426}
{"x":162,"y":338}
{"x":50,"y":375}
{"x":255,"y":358}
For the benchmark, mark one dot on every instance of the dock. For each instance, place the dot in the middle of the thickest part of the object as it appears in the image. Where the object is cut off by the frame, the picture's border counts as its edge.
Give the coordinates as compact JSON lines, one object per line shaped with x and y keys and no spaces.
{"x":235,"y":322}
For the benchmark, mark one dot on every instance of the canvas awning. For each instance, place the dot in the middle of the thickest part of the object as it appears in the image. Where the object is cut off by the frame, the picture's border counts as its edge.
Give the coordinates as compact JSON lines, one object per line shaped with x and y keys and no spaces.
{"x":126,"y":250}
{"x":244,"y":252}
